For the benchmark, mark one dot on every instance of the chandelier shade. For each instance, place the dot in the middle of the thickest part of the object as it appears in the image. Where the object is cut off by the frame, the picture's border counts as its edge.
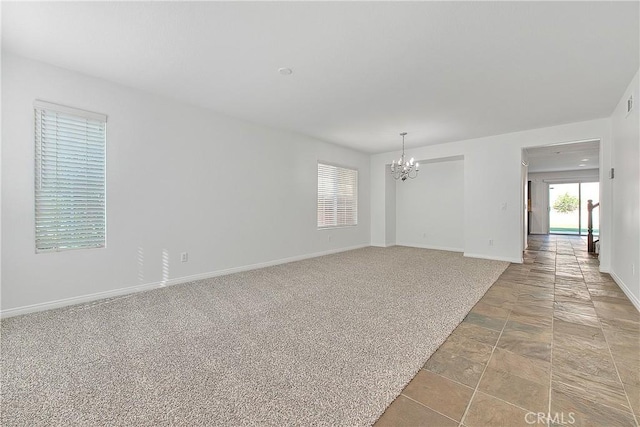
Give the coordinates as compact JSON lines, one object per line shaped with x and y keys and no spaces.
{"x":402,"y":168}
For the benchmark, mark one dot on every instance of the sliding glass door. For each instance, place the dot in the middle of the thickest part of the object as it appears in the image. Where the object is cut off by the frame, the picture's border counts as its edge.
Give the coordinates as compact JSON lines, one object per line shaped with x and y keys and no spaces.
{"x":564,"y":208}
{"x":568,"y":207}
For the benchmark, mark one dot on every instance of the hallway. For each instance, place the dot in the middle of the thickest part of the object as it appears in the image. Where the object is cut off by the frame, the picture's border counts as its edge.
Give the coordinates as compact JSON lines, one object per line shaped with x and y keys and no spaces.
{"x":553,"y":342}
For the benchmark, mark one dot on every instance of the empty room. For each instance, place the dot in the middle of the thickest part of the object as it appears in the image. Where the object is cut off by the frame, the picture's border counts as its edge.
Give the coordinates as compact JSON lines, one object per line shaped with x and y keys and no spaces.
{"x":320,"y":213}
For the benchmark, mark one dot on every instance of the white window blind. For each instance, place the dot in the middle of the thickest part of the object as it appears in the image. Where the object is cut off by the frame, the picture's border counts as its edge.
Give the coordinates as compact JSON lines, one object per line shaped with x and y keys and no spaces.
{"x":70,"y":210}
{"x":337,"y":196}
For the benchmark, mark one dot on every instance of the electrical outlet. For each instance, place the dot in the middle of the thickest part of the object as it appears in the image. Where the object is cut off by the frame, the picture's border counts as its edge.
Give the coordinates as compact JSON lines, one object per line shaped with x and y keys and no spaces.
{"x":329,"y":237}
{"x":184,"y":257}
{"x":490,"y":242}
{"x":424,"y":235}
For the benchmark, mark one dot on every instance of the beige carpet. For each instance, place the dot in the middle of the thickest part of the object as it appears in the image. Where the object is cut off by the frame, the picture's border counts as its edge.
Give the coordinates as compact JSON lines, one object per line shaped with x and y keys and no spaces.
{"x":325,"y":341}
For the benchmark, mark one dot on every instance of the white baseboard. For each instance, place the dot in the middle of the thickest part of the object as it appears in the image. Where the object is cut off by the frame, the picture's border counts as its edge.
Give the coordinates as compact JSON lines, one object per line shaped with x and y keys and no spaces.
{"x":437,"y":248}
{"x":634,"y":300}
{"x":495,"y":258}
{"x":49,"y":305}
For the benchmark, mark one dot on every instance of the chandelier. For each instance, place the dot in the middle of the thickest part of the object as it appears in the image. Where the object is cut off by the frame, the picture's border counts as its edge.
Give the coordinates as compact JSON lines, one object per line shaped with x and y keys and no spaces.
{"x":403,"y":169}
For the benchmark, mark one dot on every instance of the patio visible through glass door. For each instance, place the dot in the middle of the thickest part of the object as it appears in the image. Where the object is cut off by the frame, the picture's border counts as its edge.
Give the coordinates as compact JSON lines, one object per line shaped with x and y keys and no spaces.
{"x":568,"y":208}
{"x":564,"y":208}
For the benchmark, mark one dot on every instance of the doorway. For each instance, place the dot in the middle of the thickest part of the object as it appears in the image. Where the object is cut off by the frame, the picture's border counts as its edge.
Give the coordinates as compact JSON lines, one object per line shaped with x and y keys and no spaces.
{"x":568,"y":211}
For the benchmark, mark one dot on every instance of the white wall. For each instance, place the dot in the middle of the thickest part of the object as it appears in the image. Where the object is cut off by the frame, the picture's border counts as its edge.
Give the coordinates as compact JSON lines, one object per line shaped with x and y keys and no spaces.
{"x":380,"y":217}
{"x":583,"y":175}
{"x":524,"y":203}
{"x":173,"y":184}
{"x":539,"y":206}
{"x":540,"y":193}
{"x":625,"y":261}
{"x":390,"y":215}
{"x":1,"y":174}
{"x":430,"y":208}
{"x":492,"y":187}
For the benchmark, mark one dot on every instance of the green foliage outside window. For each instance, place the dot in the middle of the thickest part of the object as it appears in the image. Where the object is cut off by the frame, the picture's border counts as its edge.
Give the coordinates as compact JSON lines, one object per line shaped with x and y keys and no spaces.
{"x":566,"y":203}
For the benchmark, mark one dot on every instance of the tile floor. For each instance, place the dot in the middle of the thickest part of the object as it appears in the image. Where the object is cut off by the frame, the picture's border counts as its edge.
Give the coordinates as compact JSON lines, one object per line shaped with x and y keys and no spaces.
{"x":553,"y":342}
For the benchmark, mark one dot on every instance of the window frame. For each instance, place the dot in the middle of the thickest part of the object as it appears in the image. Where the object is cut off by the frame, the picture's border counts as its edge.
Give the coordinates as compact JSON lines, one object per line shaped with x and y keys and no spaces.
{"x":79,"y":114}
{"x":355,"y":198}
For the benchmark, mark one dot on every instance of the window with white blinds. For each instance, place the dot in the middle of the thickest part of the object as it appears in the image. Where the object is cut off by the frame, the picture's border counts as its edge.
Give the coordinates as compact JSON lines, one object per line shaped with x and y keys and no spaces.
{"x":337,"y":196}
{"x":70,"y":210}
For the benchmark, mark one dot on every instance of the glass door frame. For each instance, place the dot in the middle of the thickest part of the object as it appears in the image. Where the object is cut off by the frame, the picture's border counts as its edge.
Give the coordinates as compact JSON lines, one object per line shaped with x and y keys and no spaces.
{"x":580,"y":228}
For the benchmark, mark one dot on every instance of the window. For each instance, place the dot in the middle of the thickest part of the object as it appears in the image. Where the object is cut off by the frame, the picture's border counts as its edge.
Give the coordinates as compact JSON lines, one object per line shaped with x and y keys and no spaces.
{"x":69,"y":178}
{"x":337,"y":196}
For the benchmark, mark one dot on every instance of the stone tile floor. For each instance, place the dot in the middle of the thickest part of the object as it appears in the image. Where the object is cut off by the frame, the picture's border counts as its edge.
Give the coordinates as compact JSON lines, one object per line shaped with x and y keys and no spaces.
{"x":553,"y":342}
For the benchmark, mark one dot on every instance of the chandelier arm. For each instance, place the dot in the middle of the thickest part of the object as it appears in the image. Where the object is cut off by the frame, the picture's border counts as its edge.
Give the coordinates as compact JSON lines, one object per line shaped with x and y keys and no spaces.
{"x":403,"y":169}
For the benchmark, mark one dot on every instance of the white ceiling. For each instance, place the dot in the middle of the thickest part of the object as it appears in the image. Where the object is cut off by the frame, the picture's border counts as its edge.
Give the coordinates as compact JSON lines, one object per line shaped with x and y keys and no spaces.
{"x":564,"y":157}
{"x":362,"y":71}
